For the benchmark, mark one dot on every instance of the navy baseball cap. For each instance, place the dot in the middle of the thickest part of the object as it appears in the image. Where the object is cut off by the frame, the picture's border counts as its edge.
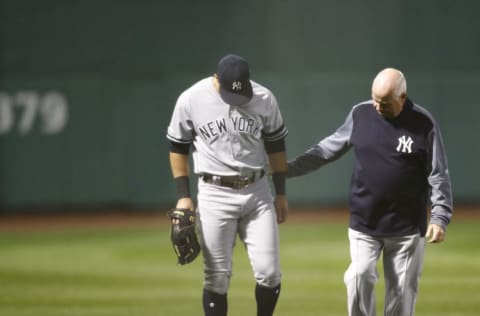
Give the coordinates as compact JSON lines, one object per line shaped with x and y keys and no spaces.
{"x":233,"y":74}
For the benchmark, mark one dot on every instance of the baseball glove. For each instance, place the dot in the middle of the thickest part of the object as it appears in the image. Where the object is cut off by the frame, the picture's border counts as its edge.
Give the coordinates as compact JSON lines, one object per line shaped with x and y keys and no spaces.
{"x":183,"y":235}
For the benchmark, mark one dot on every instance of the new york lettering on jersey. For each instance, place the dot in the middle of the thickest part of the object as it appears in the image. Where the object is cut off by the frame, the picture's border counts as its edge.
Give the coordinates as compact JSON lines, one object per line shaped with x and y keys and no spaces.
{"x":222,"y":125}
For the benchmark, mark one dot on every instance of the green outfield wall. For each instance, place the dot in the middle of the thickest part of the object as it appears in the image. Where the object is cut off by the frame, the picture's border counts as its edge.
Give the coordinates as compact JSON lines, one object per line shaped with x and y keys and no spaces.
{"x":87,"y":87}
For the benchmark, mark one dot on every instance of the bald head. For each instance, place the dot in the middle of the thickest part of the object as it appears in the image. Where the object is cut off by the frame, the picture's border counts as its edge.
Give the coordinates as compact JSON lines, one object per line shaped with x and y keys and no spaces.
{"x":390,"y":81}
{"x":389,"y":92}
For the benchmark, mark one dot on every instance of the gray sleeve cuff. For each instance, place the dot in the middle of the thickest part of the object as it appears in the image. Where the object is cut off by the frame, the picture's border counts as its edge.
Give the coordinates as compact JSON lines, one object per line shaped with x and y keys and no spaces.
{"x":441,"y":216}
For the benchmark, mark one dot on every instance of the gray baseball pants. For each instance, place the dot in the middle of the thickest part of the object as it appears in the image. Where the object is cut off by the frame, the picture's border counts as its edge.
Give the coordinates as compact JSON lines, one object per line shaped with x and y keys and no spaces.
{"x":249,"y":213}
{"x":402,"y":264}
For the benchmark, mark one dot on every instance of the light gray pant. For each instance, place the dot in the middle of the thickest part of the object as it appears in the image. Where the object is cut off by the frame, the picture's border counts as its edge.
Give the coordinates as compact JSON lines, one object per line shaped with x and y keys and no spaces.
{"x":402,"y":263}
{"x":250,"y":213}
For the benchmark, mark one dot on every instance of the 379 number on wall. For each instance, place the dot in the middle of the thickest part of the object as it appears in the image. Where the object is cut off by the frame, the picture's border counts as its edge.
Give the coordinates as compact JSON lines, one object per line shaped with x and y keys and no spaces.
{"x":25,"y":111}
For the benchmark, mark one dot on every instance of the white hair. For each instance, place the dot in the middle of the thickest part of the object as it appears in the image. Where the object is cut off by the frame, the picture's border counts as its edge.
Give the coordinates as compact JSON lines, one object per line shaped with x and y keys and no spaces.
{"x":400,"y":86}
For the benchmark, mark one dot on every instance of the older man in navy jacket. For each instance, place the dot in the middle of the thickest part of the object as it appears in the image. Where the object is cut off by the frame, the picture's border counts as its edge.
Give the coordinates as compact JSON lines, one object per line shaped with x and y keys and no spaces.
{"x":400,"y":170}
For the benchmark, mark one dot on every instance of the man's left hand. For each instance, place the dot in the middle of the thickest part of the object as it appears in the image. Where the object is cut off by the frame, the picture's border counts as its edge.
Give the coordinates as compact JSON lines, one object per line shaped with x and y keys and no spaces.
{"x":435,"y":233}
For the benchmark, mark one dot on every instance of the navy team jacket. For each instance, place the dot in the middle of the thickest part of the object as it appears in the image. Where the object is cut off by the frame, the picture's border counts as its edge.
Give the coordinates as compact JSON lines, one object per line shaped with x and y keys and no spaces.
{"x":400,"y":169}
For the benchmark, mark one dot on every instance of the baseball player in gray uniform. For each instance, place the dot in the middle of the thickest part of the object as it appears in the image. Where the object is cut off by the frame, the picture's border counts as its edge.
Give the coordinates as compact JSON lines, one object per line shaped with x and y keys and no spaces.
{"x":400,"y":168}
{"x":237,"y":136}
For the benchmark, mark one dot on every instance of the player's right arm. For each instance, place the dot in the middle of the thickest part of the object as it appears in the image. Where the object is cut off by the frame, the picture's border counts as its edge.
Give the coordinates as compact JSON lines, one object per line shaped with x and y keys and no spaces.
{"x":180,"y":135}
{"x":180,"y":167}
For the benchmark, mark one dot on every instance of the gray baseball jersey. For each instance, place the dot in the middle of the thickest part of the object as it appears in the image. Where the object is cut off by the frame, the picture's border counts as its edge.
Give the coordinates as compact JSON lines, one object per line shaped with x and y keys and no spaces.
{"x":228,"y":140}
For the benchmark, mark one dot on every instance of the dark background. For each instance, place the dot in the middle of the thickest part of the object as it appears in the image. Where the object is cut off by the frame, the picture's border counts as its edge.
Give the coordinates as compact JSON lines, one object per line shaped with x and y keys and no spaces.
{"x":121,"y":65}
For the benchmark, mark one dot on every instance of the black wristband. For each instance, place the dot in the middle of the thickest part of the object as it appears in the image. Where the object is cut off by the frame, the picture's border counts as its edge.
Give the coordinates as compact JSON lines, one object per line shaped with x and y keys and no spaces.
{"x":278,"y":179}
{"x":182,"y":184}
{"x":275,"y":146}
{"x":179,"y":148}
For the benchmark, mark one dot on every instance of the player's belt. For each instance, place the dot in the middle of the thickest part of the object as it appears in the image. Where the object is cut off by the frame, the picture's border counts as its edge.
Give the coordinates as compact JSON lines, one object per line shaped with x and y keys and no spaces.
{"x":234,"y":182}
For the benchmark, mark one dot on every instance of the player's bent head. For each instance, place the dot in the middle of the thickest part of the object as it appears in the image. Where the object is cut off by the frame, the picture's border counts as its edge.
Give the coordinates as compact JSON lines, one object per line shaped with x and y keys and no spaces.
{"x":233,"y":74}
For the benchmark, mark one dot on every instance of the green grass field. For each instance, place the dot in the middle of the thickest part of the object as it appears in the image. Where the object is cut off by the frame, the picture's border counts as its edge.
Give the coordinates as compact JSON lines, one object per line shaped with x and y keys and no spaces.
{"x":132,"y":271}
